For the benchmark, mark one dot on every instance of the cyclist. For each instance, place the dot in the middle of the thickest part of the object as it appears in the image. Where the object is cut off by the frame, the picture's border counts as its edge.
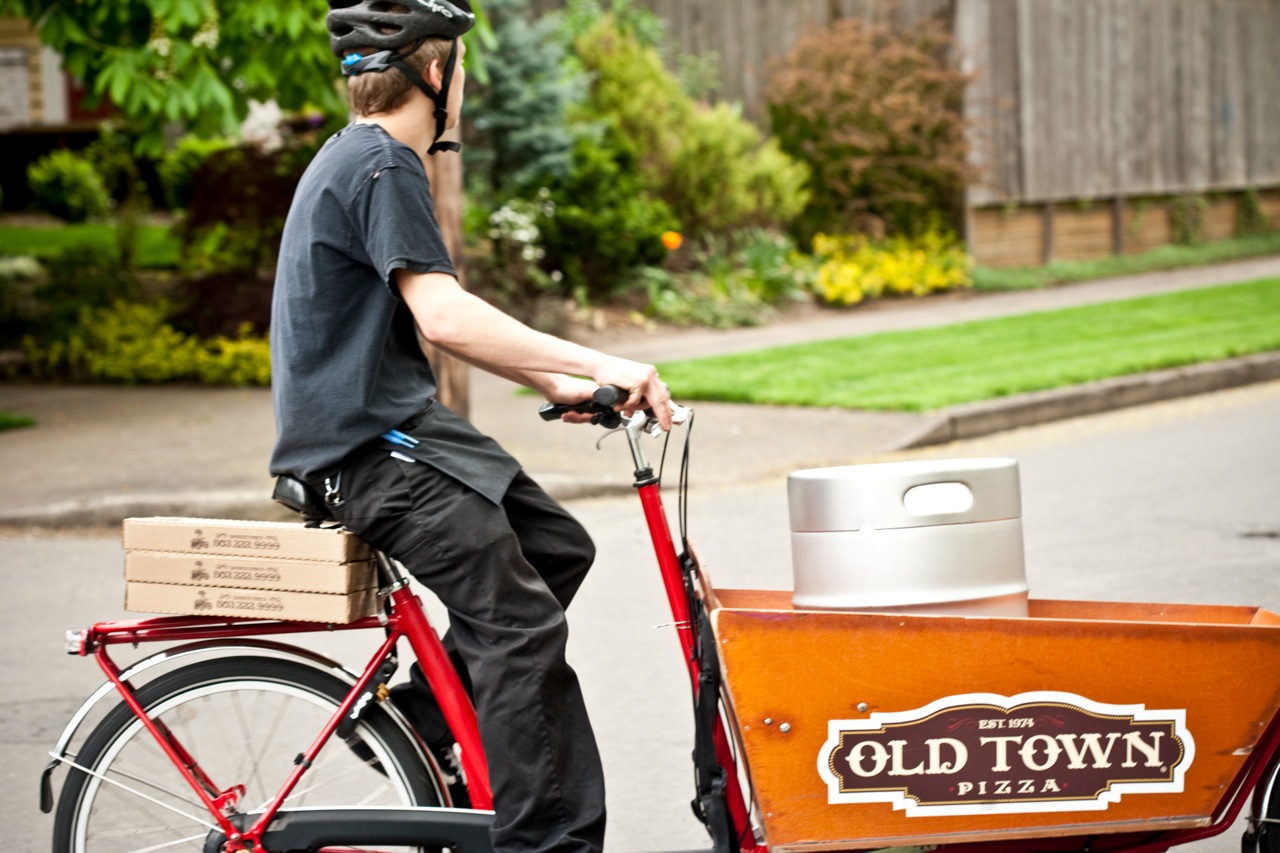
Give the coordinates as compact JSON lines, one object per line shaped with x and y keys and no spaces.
{"x":363,"y":271}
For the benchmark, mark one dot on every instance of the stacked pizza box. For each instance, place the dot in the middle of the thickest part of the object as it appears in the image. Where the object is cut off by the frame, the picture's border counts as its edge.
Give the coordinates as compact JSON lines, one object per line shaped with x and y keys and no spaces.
{"x":272,"y":570}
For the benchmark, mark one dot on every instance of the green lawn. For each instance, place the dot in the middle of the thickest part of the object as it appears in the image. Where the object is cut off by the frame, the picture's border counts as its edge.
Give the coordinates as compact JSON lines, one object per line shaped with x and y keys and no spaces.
{"x":931,"y":368}
{"x":157,"y":249}
{"x":14,"y":420}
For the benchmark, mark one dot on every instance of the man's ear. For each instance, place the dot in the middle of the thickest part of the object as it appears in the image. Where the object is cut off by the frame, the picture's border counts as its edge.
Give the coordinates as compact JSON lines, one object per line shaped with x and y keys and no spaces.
{"x":433,"y":75}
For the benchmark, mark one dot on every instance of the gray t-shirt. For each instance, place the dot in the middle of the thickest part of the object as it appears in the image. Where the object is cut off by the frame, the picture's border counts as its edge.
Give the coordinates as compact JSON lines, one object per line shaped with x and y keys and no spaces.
{"x":345,"y":359}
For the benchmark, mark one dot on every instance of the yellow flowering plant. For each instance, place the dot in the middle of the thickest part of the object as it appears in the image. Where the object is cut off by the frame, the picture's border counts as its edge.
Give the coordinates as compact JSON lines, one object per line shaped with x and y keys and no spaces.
{"x":854,"y":267}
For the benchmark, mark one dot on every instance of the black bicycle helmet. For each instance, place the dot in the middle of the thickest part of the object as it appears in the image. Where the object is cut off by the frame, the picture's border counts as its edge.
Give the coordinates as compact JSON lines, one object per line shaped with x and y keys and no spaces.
{"x":396,"y":30}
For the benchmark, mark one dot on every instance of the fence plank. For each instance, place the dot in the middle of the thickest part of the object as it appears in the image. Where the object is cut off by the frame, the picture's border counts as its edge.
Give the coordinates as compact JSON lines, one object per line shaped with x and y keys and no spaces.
{"x":973,"y":25}
{"x":1007,"y":139}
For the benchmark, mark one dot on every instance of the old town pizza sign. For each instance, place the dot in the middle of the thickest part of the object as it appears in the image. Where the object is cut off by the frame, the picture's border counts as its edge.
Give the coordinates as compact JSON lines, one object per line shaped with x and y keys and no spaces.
{"x":987,"y":754}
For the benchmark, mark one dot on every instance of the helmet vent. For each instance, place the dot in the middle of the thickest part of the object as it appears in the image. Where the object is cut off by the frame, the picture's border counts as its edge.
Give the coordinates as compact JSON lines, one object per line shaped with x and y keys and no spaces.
{"x":394,"y":24}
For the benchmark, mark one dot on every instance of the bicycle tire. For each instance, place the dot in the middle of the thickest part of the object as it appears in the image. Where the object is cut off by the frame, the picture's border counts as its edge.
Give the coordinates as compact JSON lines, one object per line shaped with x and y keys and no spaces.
{"x":244,"y":719}
{"x":1265,"y":837}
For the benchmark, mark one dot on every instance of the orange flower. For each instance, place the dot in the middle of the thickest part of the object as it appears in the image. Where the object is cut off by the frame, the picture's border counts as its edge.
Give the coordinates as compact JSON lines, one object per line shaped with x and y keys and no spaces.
{"x":672,"y":240}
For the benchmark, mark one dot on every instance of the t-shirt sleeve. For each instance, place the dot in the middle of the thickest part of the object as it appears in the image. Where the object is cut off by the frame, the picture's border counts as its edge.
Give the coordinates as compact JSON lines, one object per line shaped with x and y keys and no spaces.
{"x":401,"y":230}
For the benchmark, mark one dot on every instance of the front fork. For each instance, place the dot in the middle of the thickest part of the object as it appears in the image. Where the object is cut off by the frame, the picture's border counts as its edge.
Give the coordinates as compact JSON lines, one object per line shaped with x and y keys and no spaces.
{"x":721,"y":802}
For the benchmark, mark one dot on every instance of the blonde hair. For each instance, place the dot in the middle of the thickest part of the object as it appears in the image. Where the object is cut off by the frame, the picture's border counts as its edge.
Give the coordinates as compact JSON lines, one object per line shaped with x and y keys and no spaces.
{"x":381,"y":92}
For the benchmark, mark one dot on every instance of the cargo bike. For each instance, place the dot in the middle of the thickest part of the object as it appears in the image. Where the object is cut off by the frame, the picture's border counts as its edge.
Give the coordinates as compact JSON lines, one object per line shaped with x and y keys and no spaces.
{"x":1079,"y":726}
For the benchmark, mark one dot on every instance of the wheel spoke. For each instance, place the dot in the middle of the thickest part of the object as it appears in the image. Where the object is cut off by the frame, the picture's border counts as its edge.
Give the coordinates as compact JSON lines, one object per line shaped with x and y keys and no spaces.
{"x":227,"y":713}
{"x":136,"y":777}
{"x":137,"y":832}
{"x":137,"y":793}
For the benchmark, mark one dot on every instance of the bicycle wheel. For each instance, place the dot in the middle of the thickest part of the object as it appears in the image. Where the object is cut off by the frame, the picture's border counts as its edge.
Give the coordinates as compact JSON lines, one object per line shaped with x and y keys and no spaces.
{"x":244,"y":721}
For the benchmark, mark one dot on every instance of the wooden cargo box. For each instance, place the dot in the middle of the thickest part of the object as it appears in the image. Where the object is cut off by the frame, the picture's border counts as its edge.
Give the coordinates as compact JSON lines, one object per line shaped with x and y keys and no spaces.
{"x":866,"y":730}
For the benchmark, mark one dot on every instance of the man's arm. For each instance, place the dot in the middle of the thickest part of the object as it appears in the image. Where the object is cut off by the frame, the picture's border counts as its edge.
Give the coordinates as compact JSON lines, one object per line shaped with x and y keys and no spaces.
{"x":554,"y":387}
{"x":479,"y":334}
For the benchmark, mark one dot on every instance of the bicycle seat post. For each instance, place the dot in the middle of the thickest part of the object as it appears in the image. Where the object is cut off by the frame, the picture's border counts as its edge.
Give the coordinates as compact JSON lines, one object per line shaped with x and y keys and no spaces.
{"x":391,"y":573}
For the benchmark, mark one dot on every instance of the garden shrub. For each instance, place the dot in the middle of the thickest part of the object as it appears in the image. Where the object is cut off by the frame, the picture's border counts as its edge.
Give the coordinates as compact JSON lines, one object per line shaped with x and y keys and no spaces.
{"x":761,"y":262}
{"x":695,"y":299}
{"x":238,"y":361}
{"x":65,"y":184}
{"x":875,"y":110}
{"x":601,"y":224}
{"x":737,"y":281}
{"x":708,"y":164}
{"x":518,"y":144}
{"x":178,"y":167}
{"x":134,"y":343}
{"x":113,"y":158}
{"x":122,"y":342}
{"x":79,"y":277}
{"x":239,"y":200}
{"x":855,"y":268}
{"x":637,"y":22}
{"x":596,"y":151}
{"x":632,"y":91}
{"x":18,"y":306}
{"x":726,"y":175}
{"x":511,"y":263}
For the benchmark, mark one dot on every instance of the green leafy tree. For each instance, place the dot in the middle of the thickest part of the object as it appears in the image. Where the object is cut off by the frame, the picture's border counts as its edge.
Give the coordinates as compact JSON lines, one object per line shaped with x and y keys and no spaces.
{"x":193,"y":62}
{"x":518,"y":117}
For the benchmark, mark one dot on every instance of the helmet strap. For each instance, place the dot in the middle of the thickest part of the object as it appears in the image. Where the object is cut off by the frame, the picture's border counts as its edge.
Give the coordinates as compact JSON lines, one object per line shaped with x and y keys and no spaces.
{"x":439,"y":97}
{"x":386,"y":59}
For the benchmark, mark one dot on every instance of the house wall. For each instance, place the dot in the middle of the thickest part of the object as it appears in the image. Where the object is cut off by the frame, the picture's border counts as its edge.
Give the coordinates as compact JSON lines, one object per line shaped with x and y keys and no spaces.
{"x":22,"y":98}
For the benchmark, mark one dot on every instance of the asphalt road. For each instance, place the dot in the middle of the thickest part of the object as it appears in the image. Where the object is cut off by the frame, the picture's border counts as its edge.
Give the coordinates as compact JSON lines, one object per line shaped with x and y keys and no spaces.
{"x":1176,"y":502}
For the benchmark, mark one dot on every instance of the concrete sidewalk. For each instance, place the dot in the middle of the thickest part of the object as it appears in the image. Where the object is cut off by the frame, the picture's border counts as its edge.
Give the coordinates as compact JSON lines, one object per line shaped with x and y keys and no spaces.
{"x":99,"y":454}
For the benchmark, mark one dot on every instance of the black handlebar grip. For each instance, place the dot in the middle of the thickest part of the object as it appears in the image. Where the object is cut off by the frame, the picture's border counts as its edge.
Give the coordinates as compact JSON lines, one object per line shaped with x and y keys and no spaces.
{"x":553,"y":411}
{"x":610,"y":395}
{"x":601,"y":405}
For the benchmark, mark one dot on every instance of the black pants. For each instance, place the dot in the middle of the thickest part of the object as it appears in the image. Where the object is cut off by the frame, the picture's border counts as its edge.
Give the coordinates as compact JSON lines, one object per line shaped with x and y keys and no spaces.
{"x":506,"y":574}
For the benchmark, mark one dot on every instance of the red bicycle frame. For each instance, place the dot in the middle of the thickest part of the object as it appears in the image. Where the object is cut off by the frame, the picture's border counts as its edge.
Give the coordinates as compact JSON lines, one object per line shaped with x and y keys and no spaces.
{"x":404,"y":618}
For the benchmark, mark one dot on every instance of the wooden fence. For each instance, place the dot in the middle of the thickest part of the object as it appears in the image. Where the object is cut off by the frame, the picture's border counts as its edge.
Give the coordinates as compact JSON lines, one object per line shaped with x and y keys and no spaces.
{"x":1088,"y":99}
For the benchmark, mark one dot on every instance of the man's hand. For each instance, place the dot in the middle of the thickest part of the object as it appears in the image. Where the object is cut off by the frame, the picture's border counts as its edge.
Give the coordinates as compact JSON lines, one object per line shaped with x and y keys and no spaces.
{"x":645,"y":389}
{"x":571,"y":390}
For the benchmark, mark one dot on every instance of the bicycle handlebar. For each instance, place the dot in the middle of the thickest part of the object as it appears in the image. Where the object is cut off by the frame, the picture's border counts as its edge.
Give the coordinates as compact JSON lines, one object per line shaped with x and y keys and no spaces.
{"x":600,"y":407}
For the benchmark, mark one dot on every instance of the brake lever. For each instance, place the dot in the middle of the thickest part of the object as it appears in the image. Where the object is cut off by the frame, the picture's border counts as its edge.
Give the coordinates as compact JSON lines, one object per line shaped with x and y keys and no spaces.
{"x":679,"y":415}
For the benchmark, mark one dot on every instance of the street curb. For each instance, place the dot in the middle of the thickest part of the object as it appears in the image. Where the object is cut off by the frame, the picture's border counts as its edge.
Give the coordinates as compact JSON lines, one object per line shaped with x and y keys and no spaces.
{"x":248,"y":504}
{"x":971,"y":420}
{"x":951,"y":424}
